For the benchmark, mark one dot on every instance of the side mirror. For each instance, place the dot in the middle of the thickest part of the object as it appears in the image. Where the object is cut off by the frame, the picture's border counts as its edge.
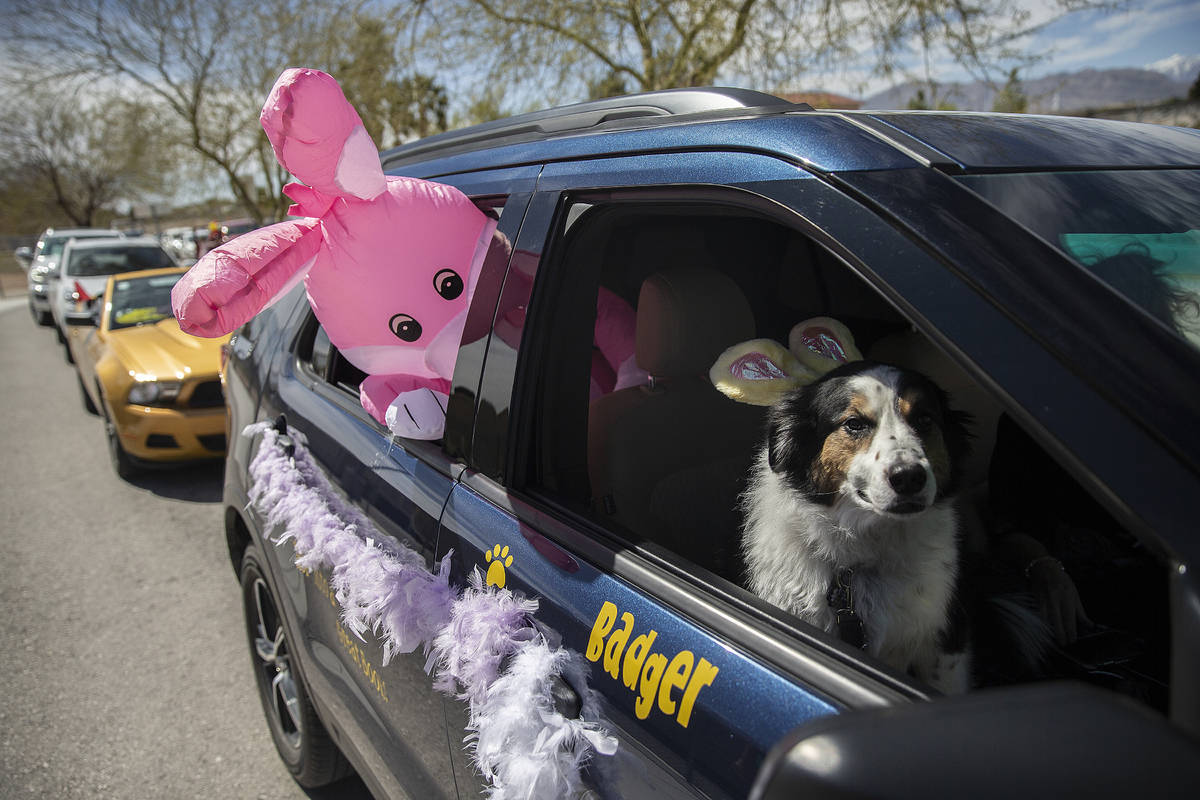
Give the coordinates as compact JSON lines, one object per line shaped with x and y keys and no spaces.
{"x":1051,"y":740}
{"x":24,"y":256}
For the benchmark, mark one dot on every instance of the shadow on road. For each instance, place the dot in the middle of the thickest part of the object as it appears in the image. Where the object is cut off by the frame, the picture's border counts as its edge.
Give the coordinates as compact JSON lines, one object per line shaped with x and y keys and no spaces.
{"x":197,"y":483}
{"x":351,"y":788}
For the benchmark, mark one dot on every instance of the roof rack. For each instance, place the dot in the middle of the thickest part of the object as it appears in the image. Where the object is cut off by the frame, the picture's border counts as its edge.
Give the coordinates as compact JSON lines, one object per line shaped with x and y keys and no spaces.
{"x":582,"y":116}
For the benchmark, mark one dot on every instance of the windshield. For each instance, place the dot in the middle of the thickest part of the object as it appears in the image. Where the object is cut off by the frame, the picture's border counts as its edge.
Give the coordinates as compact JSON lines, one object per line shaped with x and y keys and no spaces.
{"x":1137,"y":231}
{"x":114,"y":259}
{"x":52,"y":246}
{"x":138,"y":301}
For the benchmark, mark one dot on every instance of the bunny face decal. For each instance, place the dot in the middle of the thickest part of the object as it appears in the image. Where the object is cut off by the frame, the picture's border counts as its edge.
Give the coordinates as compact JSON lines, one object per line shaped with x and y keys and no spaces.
{"x":390,"y":264}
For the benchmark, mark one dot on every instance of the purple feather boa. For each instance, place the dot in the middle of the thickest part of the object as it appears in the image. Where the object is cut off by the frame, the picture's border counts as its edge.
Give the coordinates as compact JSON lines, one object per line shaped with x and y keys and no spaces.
{"x":483,"y":644}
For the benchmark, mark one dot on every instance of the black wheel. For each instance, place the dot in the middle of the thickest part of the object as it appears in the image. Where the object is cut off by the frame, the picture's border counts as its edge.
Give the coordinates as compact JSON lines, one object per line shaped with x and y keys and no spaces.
{"x":122,"y":462}
{"x":88,"y":405}
{"x":302,"y":741}
{"x":43,"y":318}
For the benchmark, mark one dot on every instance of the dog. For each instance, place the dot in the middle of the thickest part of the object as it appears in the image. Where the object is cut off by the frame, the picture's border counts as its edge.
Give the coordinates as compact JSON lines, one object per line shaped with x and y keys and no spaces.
{"x":849,"y":522}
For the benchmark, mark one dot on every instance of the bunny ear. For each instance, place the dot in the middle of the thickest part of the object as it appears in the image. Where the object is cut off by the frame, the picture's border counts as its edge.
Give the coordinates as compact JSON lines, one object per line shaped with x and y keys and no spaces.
{"x":318,"y":136}
{"x":822,"y":343}
{"x":758,"y":372}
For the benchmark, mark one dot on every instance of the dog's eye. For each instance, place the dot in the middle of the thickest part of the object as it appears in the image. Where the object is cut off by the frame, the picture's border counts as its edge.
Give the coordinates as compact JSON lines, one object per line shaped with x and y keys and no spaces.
{"x":856,"y":425}
{"x":923,"y":422}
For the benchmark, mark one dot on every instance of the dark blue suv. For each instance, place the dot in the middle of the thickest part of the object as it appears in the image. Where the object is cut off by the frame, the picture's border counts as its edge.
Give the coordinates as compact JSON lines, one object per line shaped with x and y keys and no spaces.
{"x":974,"y":248}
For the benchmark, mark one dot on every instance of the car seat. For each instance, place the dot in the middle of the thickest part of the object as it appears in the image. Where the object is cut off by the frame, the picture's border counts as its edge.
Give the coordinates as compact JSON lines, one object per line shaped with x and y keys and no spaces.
{"x":666,"y":460}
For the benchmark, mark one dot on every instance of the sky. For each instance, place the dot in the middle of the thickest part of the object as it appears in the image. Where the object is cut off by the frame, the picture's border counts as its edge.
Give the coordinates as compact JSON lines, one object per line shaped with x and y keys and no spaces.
{"x":1140,"y":33}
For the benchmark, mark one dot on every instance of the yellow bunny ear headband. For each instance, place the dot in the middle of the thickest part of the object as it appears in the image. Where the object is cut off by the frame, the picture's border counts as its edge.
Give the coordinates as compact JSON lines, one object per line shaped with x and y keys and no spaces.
{"x":760,"y":371}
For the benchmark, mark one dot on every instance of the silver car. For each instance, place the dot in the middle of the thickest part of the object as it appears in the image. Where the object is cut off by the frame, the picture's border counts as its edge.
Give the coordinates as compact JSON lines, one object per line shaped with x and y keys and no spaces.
{"x":44,"y":262}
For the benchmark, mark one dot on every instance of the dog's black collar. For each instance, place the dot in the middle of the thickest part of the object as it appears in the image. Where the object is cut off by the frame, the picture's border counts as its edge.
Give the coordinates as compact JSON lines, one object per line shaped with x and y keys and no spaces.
{"x":850,"y":628}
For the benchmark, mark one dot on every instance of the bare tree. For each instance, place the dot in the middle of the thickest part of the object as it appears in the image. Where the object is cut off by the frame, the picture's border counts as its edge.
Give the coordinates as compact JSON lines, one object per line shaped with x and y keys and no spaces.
{"x":582,"y":47}
{"x":212,"y":64}
{"x":177,"y":51}
{"x":87,"y":152}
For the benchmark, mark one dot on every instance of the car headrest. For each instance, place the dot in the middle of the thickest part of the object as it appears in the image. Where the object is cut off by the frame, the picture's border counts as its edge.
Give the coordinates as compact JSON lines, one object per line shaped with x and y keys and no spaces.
{"x":686,"y":317}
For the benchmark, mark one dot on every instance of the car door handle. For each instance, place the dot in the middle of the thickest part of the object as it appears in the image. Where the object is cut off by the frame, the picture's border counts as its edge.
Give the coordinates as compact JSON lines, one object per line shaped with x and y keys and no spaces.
{"x":566,"y":700}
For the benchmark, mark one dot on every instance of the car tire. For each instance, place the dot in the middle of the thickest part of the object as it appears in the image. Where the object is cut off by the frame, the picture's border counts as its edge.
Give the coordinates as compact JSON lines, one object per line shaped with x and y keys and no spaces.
{"x":301,"y":739}
{"x":122,"y":462}
{"x":88,"y":405}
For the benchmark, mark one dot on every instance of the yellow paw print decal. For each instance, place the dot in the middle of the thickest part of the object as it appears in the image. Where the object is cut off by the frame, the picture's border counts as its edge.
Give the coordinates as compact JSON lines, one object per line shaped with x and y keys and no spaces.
{"x":499,"y":559}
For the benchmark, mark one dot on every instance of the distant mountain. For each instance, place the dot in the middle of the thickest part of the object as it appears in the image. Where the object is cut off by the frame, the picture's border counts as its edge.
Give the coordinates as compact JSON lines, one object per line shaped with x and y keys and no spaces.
{"x":1180,"y":67}
{"x":1062,"y":92}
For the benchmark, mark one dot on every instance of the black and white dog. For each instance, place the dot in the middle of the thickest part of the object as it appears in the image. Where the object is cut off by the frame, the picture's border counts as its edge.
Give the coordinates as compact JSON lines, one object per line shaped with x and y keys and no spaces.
{"x":848,"y":520}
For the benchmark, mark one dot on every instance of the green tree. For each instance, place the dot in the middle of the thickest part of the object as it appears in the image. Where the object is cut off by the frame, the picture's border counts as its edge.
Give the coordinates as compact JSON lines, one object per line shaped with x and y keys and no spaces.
{"x":610,"y":85}
{"x":919,"y":101}
{"x":1194,"y":90}
{"x":1011,"y":98}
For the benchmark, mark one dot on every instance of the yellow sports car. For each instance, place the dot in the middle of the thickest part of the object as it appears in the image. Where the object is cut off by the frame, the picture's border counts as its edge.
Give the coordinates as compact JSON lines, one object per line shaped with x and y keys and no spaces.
{"x":158,"y":388}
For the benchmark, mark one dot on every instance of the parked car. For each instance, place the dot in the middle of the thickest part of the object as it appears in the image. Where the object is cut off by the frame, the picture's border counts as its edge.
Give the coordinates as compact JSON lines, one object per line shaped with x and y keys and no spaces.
{"x":180,"y":242}
{"x":42,"y":267}
{"x":86,"y":265}
{"x":976,"y":248}
{"x":157,"y":388}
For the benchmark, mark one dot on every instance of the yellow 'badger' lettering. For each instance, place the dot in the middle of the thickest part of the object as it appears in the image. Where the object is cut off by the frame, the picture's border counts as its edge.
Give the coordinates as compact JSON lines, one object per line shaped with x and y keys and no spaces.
{"x":616,"y":645}
{"x":604,"y":623}
{"x":651,"y":675}
{"x":639,"y":648}
{"x":676,"y":678}
{"x":701,"y":677}
{"x":655,"y":679}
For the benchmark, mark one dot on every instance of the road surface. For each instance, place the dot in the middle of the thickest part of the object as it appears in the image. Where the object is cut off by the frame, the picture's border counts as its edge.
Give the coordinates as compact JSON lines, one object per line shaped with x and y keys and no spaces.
{"x":124,"y":671}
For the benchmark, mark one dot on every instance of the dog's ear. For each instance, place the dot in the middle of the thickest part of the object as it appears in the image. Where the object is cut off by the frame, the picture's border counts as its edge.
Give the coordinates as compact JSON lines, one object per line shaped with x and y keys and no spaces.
{"x":791,"y":428}
{"x":956,"y":432}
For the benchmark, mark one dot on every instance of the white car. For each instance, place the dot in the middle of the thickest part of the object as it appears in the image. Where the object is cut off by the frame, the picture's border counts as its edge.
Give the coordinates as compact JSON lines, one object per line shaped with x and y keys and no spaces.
{"x":85,"y":266}
{"x":43,"y":264}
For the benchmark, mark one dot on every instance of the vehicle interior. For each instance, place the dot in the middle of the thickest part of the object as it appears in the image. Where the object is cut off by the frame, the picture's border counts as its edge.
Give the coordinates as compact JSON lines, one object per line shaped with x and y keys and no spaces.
{"x":661,"y":463}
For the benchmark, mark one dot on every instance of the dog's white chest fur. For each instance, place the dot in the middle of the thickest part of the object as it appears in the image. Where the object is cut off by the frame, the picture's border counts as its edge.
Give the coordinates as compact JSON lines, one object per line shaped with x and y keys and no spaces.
{"x":904,"y":571}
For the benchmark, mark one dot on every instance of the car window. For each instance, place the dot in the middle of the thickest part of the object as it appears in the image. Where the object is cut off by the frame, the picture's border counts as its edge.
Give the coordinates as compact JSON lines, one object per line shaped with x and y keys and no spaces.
{"x":323,"y":358}
{"x":95,"y":261}
{"x":53,"y":245}
{"x":1138,"y":231}
{"x":631,"y":435}
{"x":140,"y":301}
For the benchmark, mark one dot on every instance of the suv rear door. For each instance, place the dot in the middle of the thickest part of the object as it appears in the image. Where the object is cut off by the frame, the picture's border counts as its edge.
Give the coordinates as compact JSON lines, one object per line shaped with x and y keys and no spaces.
{"x":388,"y":717}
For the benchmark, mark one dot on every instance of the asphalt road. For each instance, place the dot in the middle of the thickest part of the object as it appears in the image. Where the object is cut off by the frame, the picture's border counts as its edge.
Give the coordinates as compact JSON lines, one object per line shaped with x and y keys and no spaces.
{"x":124,"y":671}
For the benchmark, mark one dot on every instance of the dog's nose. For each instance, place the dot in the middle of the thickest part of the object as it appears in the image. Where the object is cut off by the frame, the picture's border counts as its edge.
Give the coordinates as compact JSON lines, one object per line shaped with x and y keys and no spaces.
{"x":907,"y":478}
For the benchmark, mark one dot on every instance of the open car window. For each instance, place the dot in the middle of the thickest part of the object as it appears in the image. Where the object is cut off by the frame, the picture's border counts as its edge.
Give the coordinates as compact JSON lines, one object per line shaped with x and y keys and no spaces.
{"x":631,"y":435}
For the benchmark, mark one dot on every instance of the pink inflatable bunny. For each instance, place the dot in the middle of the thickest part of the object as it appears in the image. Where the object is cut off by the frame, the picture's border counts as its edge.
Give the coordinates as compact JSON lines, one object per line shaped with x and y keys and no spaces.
{"x":390,"y":264}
